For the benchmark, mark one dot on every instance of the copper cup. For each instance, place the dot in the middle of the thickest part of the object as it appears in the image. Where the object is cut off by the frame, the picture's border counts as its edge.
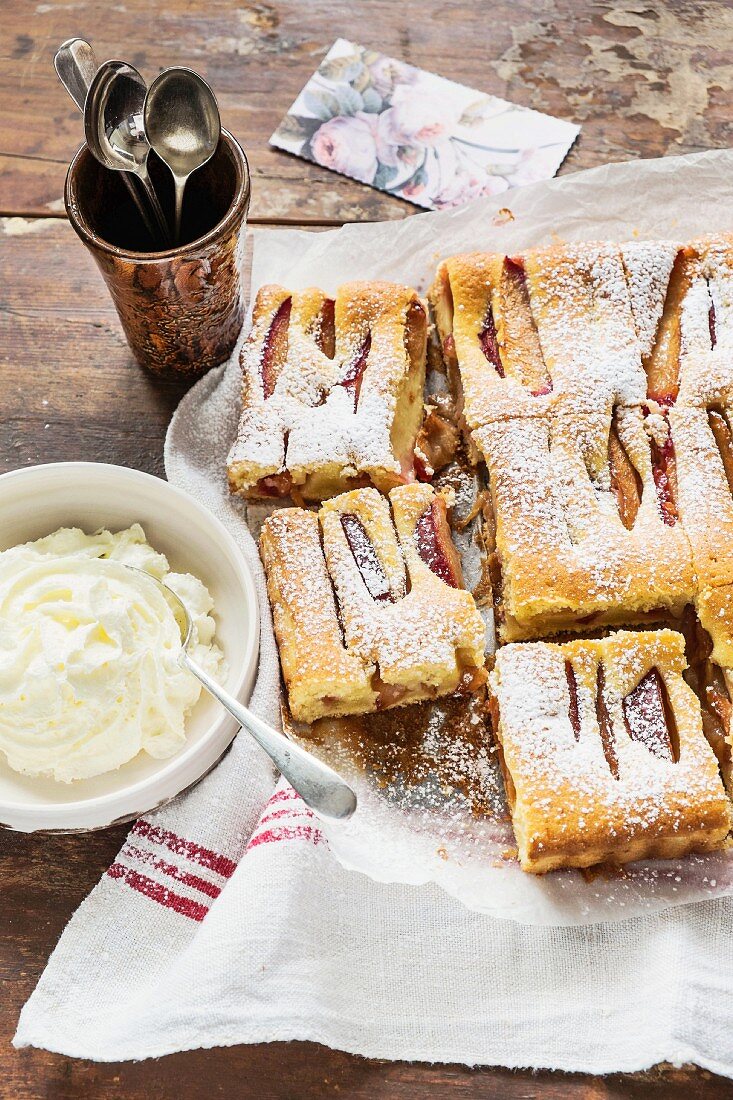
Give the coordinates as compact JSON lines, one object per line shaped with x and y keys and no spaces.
{"x":182,"y":309}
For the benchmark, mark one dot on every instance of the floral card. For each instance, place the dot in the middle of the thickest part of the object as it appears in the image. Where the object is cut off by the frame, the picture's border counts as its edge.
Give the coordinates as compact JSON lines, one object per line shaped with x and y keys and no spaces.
{"x":416,"y":135}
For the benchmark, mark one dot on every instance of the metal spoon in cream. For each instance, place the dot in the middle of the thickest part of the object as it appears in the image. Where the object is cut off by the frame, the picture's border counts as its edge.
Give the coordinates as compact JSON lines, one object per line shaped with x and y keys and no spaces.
{"x":318,"y":785}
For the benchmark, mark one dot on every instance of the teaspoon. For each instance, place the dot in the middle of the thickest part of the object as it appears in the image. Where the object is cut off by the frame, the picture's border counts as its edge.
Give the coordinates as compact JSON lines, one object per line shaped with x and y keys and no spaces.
{"x":76,"y":66}
{"x":318,"y":785}
{"x":183,"y":126}
{"x":113,"y":122}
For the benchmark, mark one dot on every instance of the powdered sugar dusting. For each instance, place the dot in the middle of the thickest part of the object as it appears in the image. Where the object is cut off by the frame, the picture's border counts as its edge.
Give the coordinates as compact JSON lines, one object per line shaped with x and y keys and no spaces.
{"x":312,"y":426}
{"x":569,"y":805}
{"x":648,"y":266}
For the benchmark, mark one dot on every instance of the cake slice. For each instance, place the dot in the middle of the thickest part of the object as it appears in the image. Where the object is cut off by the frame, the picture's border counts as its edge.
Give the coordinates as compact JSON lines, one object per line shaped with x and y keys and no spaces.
{"x":332,"y":391}
{"x":603,"y":752}
{"x":523,"y":335}
{"x":368,"y":605}
{"x":585,"y":529}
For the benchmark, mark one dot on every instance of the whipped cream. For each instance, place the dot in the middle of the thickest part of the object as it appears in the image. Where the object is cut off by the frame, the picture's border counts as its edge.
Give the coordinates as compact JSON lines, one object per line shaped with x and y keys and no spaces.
{"x":89,"y":675}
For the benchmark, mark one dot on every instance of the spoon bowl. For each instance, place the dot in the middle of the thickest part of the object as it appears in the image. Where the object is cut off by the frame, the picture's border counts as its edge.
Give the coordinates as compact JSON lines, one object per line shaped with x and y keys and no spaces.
{"x":318,"y":785}
{"x":76,"y":66}
{"x":114,"y":127}
{"x":182,"y":123}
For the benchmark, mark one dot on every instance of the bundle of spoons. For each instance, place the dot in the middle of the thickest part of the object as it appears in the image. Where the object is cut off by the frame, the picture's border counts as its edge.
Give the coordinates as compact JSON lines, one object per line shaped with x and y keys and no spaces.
{"x":177,"y":117}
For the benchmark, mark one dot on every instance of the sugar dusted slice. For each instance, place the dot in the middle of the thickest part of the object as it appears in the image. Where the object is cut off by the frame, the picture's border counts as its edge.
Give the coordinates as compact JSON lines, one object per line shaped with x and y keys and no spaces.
{"x":332,"y":391}
{"x":561,"y":326}
{"x":384,"y":582}
{"x":603,"y":752}
{"x":321,"y":673}
{"x":489,"y":337}
{"x":704,"y":464}
{"x":586,"y":523}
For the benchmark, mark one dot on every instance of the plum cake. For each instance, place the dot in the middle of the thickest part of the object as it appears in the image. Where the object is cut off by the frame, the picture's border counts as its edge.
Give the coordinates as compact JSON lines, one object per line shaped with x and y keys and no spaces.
{"x":603,"y":752}
{"x":332,"y":391}
{"x":368,"y":605}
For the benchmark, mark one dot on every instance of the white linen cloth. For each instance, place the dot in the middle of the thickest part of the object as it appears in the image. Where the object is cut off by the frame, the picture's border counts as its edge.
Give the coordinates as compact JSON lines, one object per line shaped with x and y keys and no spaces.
{"x":226,"y":919}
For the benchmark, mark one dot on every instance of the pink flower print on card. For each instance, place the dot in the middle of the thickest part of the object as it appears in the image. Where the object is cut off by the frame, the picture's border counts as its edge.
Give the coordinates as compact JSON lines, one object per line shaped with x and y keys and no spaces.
{"x":347,"y":144}
{"x":416,"y":135}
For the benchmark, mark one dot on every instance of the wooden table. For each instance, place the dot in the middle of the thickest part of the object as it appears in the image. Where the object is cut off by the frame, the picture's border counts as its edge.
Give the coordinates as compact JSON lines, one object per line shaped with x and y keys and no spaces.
{"x":644,"y":79}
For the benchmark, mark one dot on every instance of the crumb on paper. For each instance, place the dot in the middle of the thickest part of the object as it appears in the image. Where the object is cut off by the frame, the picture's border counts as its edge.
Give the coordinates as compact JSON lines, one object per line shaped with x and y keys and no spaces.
{"x":503,"y":216}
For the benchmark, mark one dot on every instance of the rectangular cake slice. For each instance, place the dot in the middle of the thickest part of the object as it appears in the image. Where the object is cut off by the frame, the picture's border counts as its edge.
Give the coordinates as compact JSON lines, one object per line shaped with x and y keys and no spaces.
{"x":332,"y":391}
{"x":522,"y":335}
{"x":586,"y":530}
{"x":603,"y":752}
{"x":368,"y":605}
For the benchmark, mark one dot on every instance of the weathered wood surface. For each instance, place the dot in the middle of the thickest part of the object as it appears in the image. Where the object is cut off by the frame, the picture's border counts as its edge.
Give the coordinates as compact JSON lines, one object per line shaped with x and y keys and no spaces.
{"x":644,"y":79}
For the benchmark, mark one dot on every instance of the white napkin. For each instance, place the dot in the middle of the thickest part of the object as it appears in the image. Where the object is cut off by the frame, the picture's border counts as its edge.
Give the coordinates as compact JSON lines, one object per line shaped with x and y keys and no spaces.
{"x":226,"y":919}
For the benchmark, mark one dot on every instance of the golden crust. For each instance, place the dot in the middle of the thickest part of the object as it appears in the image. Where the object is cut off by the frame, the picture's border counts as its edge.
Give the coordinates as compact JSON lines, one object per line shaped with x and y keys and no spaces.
{"x":568,"y":561}
{"x":704,"y":495}
{"x":387,"y":624}
{"x":581,"y":794}
{"x":332,"y":390}
{"x":315,"y":662}
{"x":563,"y":328}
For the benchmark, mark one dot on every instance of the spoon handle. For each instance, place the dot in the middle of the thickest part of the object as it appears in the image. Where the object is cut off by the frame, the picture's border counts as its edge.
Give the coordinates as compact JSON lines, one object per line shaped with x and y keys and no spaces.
{"x":318,"y":785}
{"x":75,"y":66}
{"x":143,"y":175}
{"x":180,"y":182}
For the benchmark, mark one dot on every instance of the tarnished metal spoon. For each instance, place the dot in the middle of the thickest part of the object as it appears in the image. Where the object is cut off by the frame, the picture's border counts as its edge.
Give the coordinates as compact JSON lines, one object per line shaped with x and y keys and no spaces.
{"x":318,"y":785}
{"x":115,"y":132}
{"x":183,"y":126}
{"x":76,"y":66}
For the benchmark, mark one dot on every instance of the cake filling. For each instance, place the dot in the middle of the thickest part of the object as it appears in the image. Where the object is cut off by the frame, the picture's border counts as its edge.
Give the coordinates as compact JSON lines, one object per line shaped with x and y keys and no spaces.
{"x":649,"y":719}
{"x":275,"y":350}
{"x":712,"y":327}
{"x":521,"y":330}
{"x":354,"y":374}
{"x":573,"y":711}
{"x":662,"y":366}
{"x":608,"y":741}
{"x":366,"y":557}
{"x":720,"y":427}
{"x":489,"y":343}
{"x":665,"y":478}
{"x":326,"y":328}
{"x":626,"y":485}
{"x":431,"y":549}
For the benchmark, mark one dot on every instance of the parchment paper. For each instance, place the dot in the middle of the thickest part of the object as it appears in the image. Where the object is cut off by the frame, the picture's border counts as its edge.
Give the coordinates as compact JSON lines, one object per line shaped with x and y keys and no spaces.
{"x":429,"y":834}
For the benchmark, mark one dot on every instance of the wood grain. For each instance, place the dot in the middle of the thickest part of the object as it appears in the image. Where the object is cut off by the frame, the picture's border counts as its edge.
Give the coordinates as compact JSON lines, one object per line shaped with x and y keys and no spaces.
{"x":627,"y":71}
{"x":644,"y":79}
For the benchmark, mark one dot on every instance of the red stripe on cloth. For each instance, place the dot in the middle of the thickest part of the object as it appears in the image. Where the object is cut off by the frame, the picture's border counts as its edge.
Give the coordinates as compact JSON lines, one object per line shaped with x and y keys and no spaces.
{"x":287,"y":832}
{"x":131,"y":851}
{"x":195,"y":910}
{"x":283,"y":796}
{"x":286,"y":811}
{"x":213,"y":861}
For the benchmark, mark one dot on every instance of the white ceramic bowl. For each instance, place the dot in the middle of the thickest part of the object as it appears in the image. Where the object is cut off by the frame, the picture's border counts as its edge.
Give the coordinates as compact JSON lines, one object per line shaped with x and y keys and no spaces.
{"x":38,"y":500}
